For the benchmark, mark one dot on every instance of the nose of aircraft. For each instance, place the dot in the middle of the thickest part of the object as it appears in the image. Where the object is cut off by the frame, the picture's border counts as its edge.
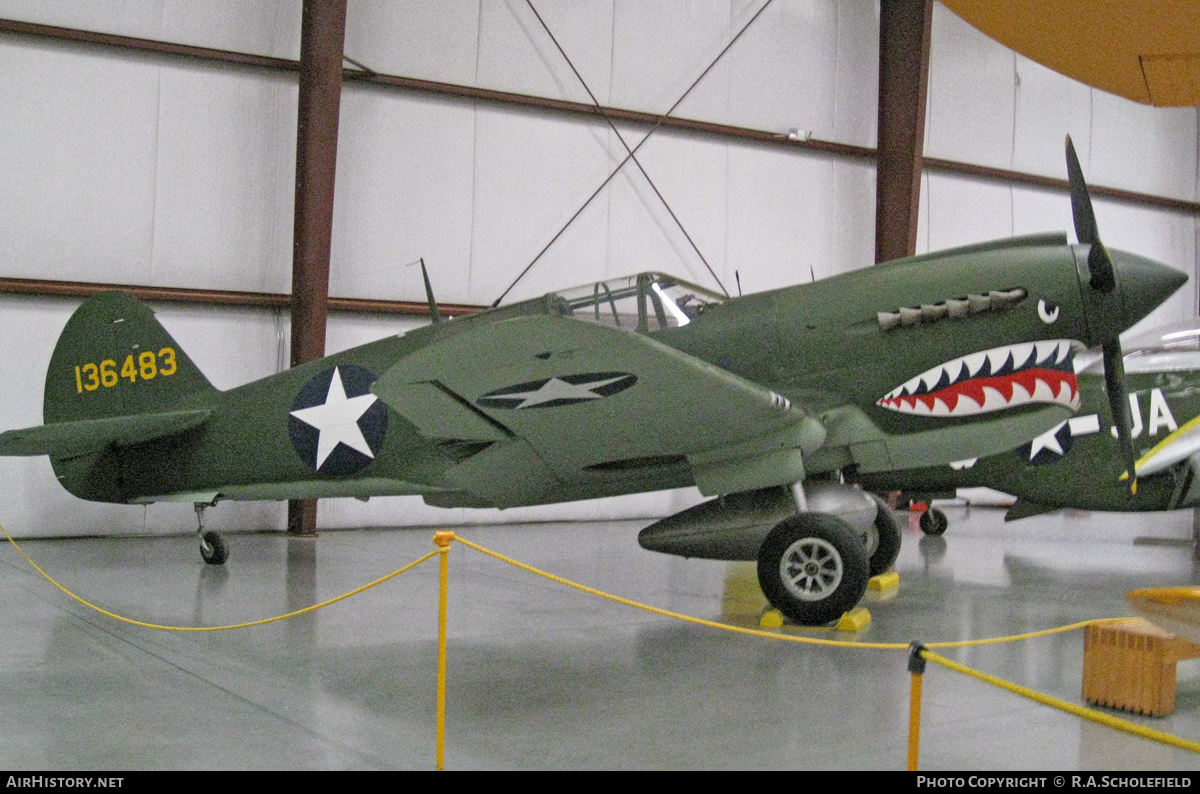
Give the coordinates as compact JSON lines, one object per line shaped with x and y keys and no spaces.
{"x":1145,"y":284}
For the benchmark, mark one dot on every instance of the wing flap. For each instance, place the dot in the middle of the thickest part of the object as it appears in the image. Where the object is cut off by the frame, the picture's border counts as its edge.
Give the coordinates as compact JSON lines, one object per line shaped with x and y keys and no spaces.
{"x":68,"y":439}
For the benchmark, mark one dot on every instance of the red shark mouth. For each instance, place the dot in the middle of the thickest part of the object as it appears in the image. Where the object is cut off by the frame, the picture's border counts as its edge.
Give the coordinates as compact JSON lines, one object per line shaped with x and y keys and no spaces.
{"x":992,"y":380}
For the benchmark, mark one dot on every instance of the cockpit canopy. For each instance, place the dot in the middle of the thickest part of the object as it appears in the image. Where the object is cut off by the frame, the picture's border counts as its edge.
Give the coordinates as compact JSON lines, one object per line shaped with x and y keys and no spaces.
{"x":645,"y":302}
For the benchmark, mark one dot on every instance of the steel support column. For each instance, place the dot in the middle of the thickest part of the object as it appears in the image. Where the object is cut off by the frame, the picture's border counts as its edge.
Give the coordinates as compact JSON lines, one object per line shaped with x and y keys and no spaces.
{"x":904,"y":27}
{"x":322,"y":38}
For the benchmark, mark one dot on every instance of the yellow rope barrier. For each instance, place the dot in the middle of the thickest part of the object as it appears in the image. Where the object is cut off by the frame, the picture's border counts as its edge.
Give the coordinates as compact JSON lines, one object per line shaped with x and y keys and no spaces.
{"x":917,"y":674}
{"x":262,"y":622}
{"x":886,"y":646}
{"x":1070,"y":708}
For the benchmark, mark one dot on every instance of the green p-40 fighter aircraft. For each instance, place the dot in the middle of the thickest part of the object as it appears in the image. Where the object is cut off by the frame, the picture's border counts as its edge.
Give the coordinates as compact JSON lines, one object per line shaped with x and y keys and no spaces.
{"x":625,"y":386}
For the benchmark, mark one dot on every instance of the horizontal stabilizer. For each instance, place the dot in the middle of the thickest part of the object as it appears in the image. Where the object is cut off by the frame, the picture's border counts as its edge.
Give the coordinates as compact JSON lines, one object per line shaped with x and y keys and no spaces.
{"x":68,"y":439}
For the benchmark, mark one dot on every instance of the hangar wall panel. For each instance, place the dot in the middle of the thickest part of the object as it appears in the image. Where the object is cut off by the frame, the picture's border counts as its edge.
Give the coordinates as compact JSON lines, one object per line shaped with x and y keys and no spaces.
{"x":692,"y":174}
{"x":1047,"y":107}
{"x":225,"y":166}
{"x":260,"y":27}
{"x":971,"y":90}
{"x":79,"y":141}
{"x":516,"y":54}
{"x":425,"y":39}
{"x":531,"y":175}
{"x":405,"y":190}
{"x":660,"y":48}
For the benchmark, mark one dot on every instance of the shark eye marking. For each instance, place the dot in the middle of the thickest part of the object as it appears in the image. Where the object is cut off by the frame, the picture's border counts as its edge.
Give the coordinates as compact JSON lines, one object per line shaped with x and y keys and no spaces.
{"x":1047,"y":311}
{"x":991,"y":380}
{"x":953,"y":308}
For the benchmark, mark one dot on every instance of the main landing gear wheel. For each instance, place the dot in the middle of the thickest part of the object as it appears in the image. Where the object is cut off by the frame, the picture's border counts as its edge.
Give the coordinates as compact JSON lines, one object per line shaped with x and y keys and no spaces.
{"x":813,"y":568}
{"x":934,"y":522}
{"x":887,"y":546}
{"x":213,"y":548}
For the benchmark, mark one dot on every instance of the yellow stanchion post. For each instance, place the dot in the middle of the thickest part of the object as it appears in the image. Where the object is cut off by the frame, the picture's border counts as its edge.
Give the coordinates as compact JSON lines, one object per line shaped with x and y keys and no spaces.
{"x":916,"y":666}
{"x":442,"y":538}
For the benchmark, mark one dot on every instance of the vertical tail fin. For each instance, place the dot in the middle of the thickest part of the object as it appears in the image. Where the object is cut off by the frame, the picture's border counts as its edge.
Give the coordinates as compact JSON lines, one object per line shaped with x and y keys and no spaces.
{"x":115,"y":359}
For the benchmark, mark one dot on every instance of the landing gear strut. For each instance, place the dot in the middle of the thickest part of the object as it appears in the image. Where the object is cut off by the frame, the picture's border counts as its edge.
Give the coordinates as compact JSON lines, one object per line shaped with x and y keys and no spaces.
{"x":212,"y":546}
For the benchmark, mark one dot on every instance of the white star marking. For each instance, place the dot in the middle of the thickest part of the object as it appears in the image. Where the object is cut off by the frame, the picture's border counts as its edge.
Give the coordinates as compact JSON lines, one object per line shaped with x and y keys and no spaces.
{"x":1047,"y":440}
{"x":337,"y":420}
{"x":556,"y":389}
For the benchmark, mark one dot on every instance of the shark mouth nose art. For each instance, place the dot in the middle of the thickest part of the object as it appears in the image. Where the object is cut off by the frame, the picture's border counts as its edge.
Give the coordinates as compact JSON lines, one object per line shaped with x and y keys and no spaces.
{"x":992,"y":380}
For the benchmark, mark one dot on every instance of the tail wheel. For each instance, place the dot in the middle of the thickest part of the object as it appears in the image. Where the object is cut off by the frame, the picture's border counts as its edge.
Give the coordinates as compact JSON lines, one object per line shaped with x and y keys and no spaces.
{"x":213,"y":548}
{"x":934,"y":522}
{"x":813,"y":568}
{"x":887,"y":547}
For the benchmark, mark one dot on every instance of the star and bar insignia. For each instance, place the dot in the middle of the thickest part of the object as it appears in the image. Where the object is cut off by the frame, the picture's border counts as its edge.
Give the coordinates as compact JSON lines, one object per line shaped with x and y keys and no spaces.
{"x":559,"y":390}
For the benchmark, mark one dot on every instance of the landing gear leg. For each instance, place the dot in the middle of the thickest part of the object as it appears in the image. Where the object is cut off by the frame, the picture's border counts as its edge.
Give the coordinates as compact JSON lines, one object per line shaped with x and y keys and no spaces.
{"x":212,"y":546}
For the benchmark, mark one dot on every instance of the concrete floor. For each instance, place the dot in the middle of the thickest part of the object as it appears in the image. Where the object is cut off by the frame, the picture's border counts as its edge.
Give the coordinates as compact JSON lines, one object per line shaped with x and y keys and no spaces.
{"x":542,"y":677}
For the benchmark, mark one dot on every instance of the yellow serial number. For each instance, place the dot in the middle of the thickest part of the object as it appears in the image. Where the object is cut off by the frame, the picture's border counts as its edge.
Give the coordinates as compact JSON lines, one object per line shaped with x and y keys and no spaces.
{"x":147,"y":366}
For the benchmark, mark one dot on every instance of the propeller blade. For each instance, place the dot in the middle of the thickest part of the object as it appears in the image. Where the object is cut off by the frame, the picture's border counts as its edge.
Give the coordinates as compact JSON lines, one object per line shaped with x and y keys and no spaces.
{"x":1103,"y":279}
{"x":1099,"y":262}
{"x":1114,"y":383}
{"x":1081,"y":202}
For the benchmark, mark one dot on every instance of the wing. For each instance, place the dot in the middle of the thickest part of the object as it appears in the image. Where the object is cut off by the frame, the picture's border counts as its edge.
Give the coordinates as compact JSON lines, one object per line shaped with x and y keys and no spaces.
{"x":550,"y":401}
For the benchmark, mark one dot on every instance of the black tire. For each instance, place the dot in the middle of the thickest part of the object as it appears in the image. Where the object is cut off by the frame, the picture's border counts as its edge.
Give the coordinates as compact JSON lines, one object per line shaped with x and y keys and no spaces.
{"x":813,"y":568}
{"x":934,"y":522}
{"x":888,"y":547}
{"x":213,"y":549}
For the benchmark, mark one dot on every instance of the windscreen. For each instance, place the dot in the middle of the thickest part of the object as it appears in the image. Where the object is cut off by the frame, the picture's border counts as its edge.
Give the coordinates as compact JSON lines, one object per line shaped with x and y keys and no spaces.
{"x":645,"y":302}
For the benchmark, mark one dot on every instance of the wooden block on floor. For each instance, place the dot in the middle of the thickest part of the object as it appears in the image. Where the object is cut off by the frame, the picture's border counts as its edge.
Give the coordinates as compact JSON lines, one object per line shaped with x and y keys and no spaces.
{"x":1131,"y":666}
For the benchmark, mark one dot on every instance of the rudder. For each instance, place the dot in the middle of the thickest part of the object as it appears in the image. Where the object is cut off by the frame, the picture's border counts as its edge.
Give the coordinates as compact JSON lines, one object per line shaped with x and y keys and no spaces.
{"x":114,"y":358}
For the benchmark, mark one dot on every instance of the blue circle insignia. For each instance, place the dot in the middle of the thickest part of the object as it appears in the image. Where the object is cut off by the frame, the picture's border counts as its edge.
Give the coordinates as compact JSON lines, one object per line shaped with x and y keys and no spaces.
{"x":336,"y":424}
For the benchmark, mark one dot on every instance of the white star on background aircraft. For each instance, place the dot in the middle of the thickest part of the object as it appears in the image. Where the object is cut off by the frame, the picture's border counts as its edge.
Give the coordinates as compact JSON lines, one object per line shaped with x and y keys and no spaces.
{"x":1047,"y":440}
{"x":337,"y":420}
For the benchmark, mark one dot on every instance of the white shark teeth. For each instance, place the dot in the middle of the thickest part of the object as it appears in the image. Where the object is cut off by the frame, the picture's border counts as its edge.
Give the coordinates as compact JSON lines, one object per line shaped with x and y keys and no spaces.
{"x":949,"y":389}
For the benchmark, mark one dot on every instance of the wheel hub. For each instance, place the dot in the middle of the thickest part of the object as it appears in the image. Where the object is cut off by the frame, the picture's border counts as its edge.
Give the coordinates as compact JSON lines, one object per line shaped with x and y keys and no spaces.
{"x":811,"y":569}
